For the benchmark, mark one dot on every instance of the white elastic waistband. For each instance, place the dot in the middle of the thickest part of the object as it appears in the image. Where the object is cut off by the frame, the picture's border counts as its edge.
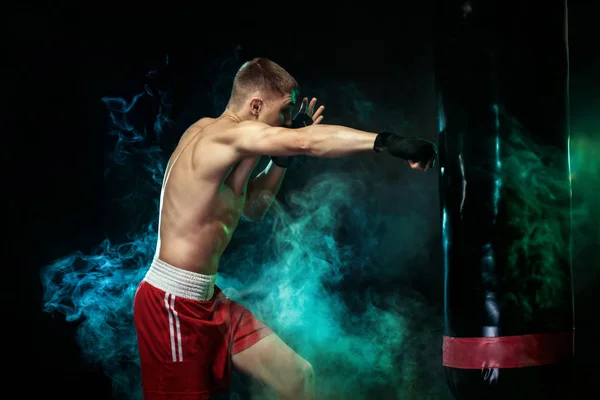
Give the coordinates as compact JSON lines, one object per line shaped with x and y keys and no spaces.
{"x":181,"y":283}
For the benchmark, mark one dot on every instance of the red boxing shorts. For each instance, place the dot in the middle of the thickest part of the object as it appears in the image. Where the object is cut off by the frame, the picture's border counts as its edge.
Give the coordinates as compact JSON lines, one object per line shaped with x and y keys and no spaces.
{"x":187,"y":331}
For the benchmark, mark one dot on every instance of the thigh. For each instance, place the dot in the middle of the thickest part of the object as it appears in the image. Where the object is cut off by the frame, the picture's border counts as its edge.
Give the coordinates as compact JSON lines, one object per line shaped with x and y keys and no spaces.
{"x":270,"y":361}
{"x":176,"y":344}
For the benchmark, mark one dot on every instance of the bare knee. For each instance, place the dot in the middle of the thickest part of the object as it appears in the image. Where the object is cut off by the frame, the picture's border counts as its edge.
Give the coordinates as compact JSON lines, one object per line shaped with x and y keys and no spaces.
{"x":301,"y":382}
{"x":307,"y":374}
{"x":274,"y":364}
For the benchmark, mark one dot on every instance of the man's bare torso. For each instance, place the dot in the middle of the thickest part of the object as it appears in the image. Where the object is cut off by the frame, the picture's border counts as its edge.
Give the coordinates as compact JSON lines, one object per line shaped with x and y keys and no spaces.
{"x":202,"y":199}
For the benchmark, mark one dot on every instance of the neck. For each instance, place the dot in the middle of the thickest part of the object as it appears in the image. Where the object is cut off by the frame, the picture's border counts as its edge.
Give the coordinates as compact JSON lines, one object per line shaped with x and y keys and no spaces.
{"x":236,"y":116}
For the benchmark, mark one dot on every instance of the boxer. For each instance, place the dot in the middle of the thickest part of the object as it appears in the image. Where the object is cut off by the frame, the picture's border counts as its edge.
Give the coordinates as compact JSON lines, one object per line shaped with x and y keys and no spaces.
{"x":190,"y":335}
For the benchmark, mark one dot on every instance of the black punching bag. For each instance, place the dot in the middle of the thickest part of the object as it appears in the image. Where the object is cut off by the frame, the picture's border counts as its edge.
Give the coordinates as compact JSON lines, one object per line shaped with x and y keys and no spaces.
{"x":501,"y":69}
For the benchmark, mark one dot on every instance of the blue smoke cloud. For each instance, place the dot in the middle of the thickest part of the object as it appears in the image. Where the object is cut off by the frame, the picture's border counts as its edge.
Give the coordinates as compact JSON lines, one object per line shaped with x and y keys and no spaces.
{"x":97,"y":289}
{"x":317,"y":270}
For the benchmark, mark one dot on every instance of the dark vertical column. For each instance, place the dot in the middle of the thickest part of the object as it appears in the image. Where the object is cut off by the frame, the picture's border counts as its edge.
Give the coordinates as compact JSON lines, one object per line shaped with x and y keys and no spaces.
{"x":501,"y":70}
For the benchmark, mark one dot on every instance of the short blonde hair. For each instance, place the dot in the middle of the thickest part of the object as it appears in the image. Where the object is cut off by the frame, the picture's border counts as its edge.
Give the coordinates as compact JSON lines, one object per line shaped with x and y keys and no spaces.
{"x":261,"y":74}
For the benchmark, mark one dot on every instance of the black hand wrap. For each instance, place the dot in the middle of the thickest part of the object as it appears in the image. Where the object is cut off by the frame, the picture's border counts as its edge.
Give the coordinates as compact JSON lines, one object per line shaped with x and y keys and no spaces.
{"x":407,"y":148}
{"x":300,"y":121}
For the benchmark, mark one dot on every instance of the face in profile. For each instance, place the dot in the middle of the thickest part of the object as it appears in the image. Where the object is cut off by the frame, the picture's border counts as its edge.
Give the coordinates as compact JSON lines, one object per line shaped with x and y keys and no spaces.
{"x":274,"y":111}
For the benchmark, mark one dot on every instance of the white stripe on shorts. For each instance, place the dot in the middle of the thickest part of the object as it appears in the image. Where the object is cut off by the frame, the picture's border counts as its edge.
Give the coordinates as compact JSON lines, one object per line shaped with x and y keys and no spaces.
{"x":176,"y":327}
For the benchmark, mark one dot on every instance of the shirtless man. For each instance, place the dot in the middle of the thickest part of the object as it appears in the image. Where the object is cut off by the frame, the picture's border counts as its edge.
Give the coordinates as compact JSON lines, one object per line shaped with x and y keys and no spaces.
{"x":190,"y":335}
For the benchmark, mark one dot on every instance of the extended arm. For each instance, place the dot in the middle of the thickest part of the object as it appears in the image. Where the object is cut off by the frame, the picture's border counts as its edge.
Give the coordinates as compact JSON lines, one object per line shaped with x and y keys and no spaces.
{"x":250,"y":139}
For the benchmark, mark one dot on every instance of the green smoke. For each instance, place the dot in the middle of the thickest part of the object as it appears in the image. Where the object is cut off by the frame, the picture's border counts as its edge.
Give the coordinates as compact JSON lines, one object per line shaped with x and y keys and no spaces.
{"x":585,"y":172}
{"x":537,"y":187}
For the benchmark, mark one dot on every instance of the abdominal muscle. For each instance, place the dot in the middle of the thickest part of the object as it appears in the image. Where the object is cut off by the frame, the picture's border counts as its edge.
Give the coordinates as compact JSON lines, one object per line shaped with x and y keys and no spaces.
{"x":200,"y":251}
{"x":199,"y":216}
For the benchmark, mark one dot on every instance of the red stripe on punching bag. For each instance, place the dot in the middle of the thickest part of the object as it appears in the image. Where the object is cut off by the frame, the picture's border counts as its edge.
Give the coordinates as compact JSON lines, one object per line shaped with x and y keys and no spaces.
{"x":507,"y":351}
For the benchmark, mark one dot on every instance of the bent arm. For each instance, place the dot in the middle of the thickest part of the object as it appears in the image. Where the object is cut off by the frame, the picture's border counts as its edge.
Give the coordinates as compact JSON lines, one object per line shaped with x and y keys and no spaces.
{"x":262,"y":191}
{"x":324,"y":141}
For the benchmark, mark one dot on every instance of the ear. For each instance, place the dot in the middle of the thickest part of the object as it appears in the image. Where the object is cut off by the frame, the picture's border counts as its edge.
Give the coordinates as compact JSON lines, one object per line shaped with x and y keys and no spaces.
{"x":256,"y":104}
